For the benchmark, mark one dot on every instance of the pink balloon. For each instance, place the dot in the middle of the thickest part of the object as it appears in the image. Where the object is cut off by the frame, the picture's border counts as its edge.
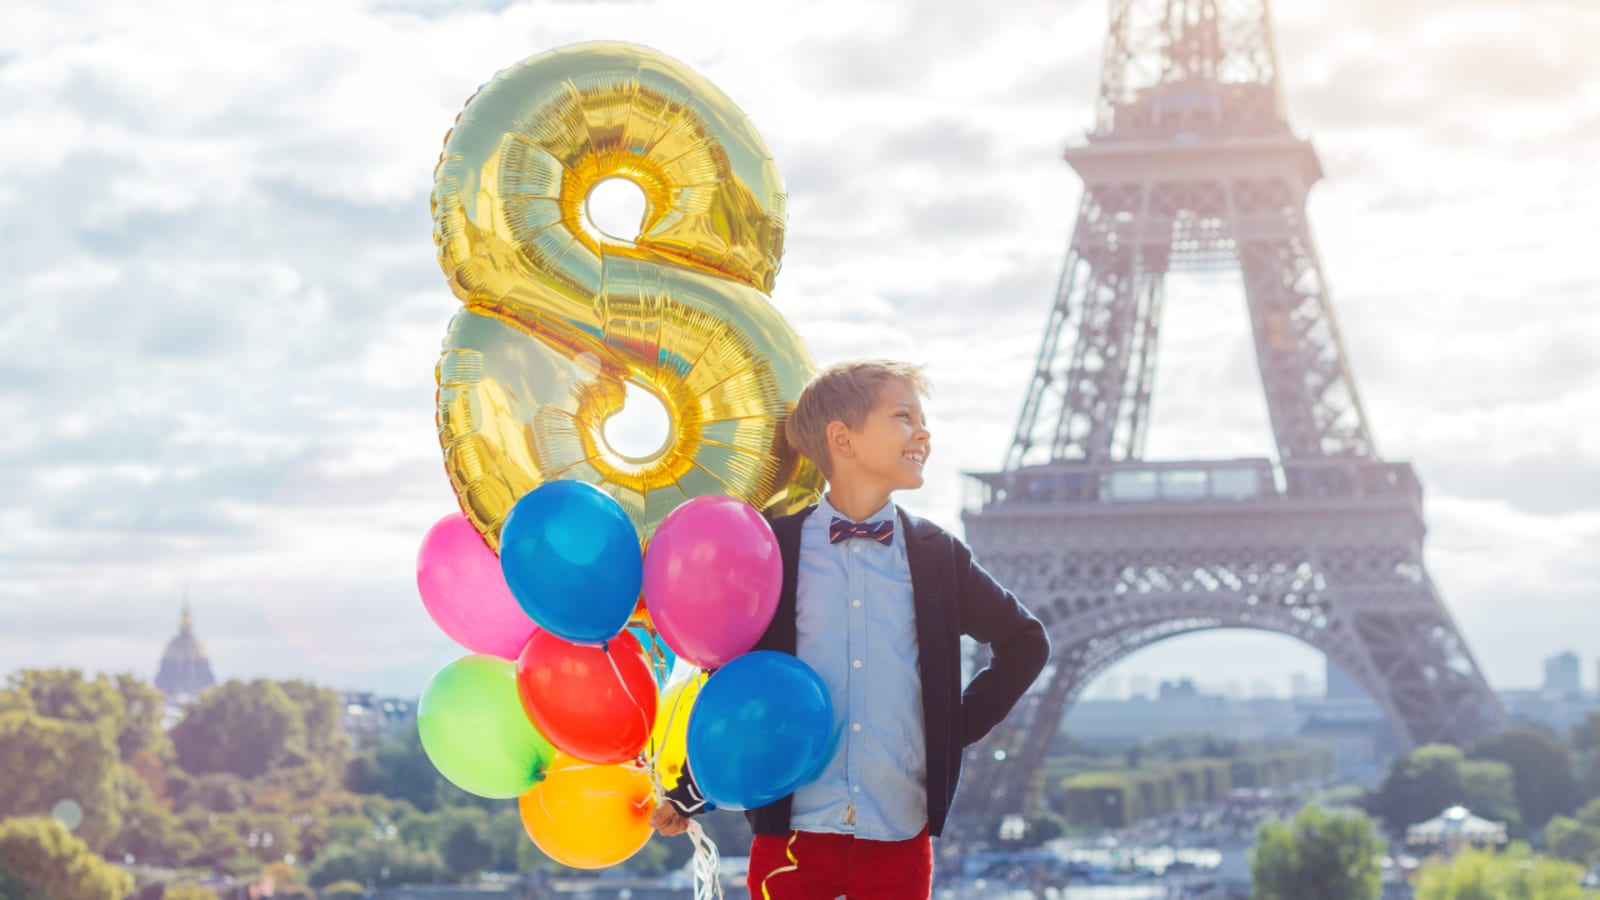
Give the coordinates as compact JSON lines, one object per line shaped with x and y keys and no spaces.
{"x":465,"y":592}
{"x":711,"y":579}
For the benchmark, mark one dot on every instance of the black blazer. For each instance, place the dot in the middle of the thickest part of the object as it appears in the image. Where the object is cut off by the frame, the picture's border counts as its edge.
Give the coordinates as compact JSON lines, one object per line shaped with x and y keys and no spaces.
{"x":953,"y":596}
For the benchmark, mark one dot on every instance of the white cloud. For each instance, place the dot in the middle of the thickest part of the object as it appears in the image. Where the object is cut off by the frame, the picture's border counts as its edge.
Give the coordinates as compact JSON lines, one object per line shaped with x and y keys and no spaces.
{"x":218,"y":356}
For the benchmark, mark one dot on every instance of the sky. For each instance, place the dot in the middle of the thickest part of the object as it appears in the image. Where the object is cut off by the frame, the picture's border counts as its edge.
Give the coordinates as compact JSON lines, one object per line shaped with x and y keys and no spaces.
{"x":224,"y":310}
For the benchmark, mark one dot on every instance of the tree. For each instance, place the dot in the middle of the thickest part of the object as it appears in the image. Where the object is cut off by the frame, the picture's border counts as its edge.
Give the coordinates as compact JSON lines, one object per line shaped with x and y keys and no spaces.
{"x":1515,"y":874}
{"x":1572,"y":840}
{"x":187,"y":890}
{"x":65,"y":694}
{"x":243,"y":728}
{"x":1541,"y":771}
{"x":466,"y":851}
{"x":322,"y":712}
{"x":1434,"y":777}
{"x":398,"y":768}
{"x":143,"y":708}
{"x":48,"y":761}
{"x":1319,"y":856}
{"x":41,"y":860}
{"x":1589,"y":813}
{"x":150,"y":832}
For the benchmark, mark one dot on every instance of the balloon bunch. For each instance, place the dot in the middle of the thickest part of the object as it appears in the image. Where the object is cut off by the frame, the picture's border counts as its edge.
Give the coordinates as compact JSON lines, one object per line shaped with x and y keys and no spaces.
{"x":566,"y":702}
{"x":574,"y":722}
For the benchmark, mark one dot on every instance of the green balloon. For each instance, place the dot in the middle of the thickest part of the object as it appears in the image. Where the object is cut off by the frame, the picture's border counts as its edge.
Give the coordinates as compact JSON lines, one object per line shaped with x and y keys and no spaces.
{"x":475,"y":732}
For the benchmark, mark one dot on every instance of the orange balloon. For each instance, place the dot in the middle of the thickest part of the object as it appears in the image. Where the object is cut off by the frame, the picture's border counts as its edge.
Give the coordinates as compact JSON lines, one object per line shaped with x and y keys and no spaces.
{"x":589,"y":816}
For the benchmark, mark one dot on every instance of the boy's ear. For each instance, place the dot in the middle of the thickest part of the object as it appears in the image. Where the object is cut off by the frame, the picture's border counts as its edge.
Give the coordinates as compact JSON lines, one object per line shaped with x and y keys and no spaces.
{"x":838,"y":438}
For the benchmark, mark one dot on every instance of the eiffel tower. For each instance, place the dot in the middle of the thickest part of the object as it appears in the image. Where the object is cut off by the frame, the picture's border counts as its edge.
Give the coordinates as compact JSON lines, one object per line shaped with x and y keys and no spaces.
{"x":1192,"y":166}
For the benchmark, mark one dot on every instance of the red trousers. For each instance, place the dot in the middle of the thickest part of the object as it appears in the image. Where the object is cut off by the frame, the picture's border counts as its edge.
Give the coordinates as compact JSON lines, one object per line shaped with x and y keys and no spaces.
{"x":808,"y":865}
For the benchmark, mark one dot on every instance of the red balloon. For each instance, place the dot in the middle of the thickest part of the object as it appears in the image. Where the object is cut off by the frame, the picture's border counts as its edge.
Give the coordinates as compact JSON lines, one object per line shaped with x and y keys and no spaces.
{"x":595,"y":703}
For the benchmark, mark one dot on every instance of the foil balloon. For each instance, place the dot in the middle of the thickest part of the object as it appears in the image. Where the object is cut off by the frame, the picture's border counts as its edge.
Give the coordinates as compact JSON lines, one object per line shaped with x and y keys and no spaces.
{"x":562,"y":321}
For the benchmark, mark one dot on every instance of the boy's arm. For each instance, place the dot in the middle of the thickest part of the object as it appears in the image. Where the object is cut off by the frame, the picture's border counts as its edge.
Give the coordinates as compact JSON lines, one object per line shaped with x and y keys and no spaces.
{"x":992,"y":615}
{"x":686,"y":797}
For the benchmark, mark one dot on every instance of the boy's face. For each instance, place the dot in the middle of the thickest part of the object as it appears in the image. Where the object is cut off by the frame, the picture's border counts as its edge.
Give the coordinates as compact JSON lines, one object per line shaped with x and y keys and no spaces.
{"x":890,"y":448}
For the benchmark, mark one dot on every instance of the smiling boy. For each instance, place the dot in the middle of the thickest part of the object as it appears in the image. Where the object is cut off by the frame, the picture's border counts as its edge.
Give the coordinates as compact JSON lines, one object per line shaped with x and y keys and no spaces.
{"x":876,"y":601}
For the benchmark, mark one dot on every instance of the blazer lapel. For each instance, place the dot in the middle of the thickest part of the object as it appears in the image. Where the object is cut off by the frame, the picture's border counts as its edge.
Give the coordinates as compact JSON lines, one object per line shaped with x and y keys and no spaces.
{"x":934,"y":640}
{"x":781,"y":633}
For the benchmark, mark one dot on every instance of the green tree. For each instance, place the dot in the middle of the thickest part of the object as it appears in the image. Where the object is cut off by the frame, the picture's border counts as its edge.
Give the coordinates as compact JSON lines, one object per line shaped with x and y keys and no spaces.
{"x":1541,"y":770}
{"x":242,"y":728}
{"x":1434,"y":777}
{"x":41,"y":860}
{"x":48,"y":761}
{"x":1319,"y":856}
{"x":321,"y":711}
{"x":398,"y":768}
{"x":384,"y":862}
{"x":65,"y":694}
{"x":1586,"y":734}
{"x":1515,"y":874}
{"x":140,"y":732}
{"x":1589,"y":813}
{"x":466,"y":851}
{"x":1572,"y":840}
{"x":151,"y":833}
{"x":187,"y":890}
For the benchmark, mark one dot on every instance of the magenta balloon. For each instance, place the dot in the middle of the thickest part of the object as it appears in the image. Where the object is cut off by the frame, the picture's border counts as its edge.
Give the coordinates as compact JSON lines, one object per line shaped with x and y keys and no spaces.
{"x":712,"y":575}
{"x":465,"y":592}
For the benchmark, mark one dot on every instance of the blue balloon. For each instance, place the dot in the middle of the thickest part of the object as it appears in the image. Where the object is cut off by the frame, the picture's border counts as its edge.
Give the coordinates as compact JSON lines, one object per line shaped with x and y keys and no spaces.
{"x":653,"y":644}
{"x":571,"y":558}
{"x":763,"y":726}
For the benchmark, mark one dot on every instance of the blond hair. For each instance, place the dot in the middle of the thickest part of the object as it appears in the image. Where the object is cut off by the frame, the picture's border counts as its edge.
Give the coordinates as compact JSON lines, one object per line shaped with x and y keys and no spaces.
{"x":845,"y":392}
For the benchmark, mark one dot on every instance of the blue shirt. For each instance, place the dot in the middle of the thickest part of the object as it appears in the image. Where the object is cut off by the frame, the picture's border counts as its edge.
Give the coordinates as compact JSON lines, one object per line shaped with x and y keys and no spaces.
{"x":857,"y":627}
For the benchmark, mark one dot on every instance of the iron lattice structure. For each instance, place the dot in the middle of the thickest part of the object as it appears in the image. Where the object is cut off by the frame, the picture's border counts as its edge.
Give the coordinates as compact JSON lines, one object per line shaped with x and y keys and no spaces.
{"x":1192,"y":165}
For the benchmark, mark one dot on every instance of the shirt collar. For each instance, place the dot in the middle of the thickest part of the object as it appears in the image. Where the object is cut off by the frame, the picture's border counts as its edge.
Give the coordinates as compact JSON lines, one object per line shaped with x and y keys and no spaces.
{"x":826,"y":512}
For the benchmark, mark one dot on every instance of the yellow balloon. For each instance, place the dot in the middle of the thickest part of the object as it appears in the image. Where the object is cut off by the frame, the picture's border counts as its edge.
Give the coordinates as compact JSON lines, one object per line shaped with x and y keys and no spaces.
{"x":589,"y":816}
{"x":669,"y":740}
{"x":561,"y":320}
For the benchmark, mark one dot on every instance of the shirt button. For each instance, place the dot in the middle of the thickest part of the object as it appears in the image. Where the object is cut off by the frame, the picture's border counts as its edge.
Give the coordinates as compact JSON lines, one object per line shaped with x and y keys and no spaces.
{"x":858,"y":663}
{"x":856,"y":788}
{"x":856,"y":603}
{"x":855,"y":548}
{"x":856,"y":727}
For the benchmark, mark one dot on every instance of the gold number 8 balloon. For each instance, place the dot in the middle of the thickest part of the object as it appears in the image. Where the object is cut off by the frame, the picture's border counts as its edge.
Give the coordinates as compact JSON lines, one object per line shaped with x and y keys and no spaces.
{"x":562,"y":319}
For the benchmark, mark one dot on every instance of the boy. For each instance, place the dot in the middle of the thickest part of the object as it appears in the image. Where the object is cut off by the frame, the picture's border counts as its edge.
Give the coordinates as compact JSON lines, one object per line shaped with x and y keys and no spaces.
{"x":876,"y":601}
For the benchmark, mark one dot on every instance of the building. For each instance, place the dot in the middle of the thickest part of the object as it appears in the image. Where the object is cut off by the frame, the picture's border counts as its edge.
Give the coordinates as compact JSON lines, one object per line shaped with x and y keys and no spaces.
{"x":1450,"y":831}
{"x":369,"y":718}
{"x":1561,"y":679}
{"x":1341,"y":685}
{"x":185,"y":672}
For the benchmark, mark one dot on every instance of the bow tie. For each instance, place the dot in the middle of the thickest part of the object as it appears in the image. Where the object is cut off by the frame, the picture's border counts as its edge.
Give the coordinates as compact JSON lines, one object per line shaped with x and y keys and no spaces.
{"x":881,"y":531}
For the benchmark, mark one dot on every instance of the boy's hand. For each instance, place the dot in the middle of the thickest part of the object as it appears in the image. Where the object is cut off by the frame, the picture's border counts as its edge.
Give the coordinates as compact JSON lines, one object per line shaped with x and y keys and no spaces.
{"x":667,"y":820}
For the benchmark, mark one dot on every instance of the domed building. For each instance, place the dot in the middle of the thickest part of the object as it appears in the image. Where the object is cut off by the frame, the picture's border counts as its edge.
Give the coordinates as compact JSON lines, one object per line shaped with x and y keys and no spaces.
{"x":185,"y":671}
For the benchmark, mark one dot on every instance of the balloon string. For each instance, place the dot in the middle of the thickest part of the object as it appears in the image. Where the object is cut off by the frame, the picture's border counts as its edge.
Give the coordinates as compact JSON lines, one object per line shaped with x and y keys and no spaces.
{"x":644,"y":717}
{"x":707,"y":879}
{"x":707,"y":863}
{"x":793,"y":866}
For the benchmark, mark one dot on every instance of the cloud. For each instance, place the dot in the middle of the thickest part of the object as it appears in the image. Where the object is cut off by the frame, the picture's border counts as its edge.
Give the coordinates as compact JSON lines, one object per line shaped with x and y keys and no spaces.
{"x":218,"y":349}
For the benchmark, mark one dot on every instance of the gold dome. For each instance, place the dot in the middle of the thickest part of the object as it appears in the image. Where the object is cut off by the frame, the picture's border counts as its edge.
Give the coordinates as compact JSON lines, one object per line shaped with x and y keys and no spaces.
{"x":185,"y":671}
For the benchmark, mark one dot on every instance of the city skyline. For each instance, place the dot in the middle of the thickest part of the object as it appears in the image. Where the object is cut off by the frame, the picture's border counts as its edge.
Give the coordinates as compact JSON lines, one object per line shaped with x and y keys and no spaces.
{"x":220,"y":358}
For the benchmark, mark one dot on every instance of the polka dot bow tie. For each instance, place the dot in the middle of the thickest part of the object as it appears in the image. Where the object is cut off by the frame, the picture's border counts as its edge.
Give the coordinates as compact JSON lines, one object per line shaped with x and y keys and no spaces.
{"x":881,"y":531}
